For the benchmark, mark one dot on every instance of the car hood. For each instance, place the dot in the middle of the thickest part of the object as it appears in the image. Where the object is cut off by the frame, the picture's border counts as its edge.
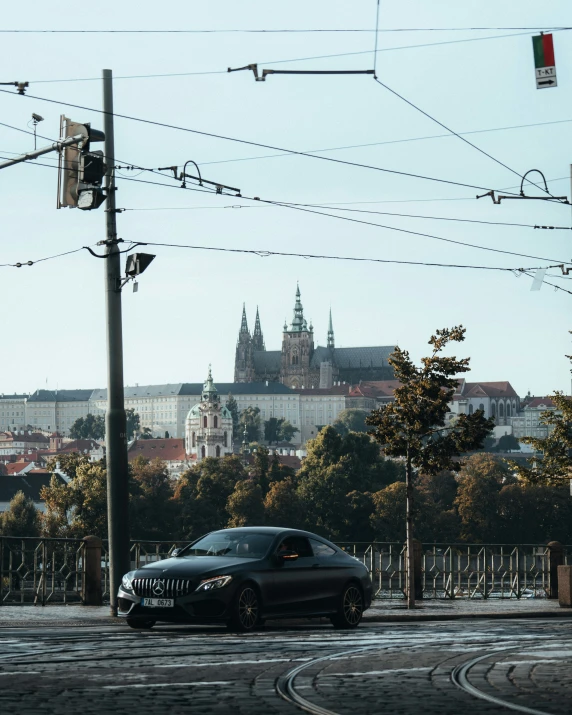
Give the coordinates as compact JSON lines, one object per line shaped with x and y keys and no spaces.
{"x":181,"y":567}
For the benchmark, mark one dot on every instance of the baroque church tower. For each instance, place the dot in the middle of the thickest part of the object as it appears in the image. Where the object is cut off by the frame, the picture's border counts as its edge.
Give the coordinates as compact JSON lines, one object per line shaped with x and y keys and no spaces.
{"x":297,"y":349}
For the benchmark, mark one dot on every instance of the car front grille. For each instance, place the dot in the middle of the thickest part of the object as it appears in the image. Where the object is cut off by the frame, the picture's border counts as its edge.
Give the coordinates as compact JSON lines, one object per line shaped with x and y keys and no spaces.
{"x":171,"y":587}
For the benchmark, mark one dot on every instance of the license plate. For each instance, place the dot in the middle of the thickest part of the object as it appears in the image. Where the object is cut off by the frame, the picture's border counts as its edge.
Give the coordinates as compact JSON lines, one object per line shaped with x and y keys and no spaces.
{"x":157,"y":602}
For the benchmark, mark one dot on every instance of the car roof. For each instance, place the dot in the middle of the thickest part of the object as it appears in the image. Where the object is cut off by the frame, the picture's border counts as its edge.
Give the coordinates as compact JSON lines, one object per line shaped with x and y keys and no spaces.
{"x":274,"y":531}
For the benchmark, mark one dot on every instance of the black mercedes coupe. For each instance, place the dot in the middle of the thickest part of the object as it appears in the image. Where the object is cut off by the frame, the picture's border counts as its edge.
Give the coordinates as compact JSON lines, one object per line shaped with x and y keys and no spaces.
{"x":243,"y":576}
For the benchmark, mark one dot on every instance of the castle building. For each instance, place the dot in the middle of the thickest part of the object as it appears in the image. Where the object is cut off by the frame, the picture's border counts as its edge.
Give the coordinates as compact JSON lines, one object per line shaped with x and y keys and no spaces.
{"x":208,"y":429}
{"x":302,"y":364}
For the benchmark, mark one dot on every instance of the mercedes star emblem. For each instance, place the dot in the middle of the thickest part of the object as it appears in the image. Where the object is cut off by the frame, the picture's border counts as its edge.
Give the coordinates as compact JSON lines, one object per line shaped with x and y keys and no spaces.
{"x":159,"y":587}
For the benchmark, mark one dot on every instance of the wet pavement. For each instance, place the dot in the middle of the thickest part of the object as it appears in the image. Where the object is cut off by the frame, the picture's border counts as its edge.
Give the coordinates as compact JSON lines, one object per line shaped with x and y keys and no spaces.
{"x":470,"y":666}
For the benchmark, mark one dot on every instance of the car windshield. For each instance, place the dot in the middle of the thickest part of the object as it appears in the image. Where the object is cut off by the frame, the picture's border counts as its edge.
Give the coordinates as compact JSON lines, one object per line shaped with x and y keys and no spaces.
{"x":227,"y":543}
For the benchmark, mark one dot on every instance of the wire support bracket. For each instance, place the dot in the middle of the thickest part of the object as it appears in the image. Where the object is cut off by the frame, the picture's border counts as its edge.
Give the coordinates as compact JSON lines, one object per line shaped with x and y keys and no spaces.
{"x":183,"y":175}
{"x":262,"y":77}
{"x":498,"y":198}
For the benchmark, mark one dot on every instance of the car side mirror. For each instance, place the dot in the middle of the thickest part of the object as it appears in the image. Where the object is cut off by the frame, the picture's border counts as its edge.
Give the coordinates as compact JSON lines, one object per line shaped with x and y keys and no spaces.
{"x":176,"y":552}
{"x":287,"y":555}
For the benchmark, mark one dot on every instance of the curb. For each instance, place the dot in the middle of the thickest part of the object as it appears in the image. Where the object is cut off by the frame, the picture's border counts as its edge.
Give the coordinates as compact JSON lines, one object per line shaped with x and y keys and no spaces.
{"x":414,"y":617}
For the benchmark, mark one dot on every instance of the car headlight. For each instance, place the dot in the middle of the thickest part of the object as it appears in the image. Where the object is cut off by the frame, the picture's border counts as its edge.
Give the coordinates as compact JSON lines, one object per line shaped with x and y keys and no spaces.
{"x":127,"y":580}
{"x":210,"y":584}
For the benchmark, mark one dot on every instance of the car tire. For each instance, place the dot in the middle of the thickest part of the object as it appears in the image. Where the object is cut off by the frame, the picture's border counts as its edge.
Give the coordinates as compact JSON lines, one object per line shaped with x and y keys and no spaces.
{"x":245,"y":610}
{"x":350,"y":610}
{"x":140,"y":625}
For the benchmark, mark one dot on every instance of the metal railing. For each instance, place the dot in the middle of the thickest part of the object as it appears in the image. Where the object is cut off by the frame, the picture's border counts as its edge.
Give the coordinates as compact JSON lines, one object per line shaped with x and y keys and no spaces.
{"x":469,"y":571}
{"x":41,"y":571}
{"x":47,"y":571}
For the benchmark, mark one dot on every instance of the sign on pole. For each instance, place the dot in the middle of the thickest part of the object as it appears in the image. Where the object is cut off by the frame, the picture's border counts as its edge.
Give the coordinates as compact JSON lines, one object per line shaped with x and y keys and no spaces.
{"x":544,"y":62}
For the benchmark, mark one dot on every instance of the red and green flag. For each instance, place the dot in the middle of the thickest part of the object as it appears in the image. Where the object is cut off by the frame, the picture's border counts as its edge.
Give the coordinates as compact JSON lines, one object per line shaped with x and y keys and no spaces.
{"x":543,"y":51}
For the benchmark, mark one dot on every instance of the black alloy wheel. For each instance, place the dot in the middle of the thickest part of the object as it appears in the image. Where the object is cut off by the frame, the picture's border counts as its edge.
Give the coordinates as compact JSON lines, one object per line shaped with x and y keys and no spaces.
{"x":140,"y":625}
{"x":351,"y":608}
{"x":245,"y":610}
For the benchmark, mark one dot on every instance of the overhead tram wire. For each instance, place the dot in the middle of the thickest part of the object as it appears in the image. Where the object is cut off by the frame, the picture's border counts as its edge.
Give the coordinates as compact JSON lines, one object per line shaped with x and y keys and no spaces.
{"x":459,"y":136}
{"x":295,"y":59}
{"x":553,"y":28}
{"x":293,"y":152}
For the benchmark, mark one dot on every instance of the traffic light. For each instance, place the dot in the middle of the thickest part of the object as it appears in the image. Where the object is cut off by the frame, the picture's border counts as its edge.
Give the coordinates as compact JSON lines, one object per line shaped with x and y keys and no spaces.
{"x":81,"y":170}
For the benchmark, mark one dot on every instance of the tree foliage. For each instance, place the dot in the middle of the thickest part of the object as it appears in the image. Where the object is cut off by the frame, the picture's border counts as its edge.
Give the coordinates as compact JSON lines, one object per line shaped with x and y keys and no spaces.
{"x":552,"y":460}
{"x":249,"y":418}
{"x":89,"y":427}
{"x":232,"y":406}
{"x":133,"y":422}
{"x":245,"y":506}
{"x":21,"y":518}
{"x":351,"y":420}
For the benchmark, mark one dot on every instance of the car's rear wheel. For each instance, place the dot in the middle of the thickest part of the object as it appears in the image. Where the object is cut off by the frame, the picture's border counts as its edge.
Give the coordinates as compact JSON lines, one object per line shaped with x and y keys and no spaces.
{"x":140,"y":624}
{"x":245,"y":614}
{"x":351,"y":608}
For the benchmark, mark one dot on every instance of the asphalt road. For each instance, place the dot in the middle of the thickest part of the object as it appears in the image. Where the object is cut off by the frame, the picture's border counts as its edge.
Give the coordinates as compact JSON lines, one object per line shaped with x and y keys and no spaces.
{"x":435,"y":667}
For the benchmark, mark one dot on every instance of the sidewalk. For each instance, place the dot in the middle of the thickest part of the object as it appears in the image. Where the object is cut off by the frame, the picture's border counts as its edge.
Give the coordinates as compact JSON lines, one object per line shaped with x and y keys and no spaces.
{"x":380,"y":612}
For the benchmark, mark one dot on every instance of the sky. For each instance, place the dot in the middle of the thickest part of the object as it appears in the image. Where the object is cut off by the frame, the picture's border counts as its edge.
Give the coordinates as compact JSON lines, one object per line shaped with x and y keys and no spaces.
{"x":186,"y":313}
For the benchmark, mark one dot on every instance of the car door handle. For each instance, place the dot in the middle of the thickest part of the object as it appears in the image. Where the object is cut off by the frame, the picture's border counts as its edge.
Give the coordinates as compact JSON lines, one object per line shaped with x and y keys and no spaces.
{"x":315,"y":566}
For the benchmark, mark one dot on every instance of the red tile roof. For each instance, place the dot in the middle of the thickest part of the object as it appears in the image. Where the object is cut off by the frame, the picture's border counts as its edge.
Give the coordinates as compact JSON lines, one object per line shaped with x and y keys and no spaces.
{"x":540,"y":402}
{"x":79,"y":445}
{"x":167,"y":449}
{"x":489,"y":389}
{"x":16,"y":467}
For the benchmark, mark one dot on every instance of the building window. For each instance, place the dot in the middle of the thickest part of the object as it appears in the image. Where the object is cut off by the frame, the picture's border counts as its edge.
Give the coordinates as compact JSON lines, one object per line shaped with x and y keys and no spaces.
{"x":225,"y":442}
{"x":215,"y":423}
{"x":205,"y":421}
{"x":482,"y":407}
{"x":203,"y":451}
{"x":193,"y":440}
{"x":501,"y":409}
{"x":294,"y":358}
{"x":493,"y":409}
{"x":218,"y":450}
{"x":470,"y":409}
{"x":508,"y":409}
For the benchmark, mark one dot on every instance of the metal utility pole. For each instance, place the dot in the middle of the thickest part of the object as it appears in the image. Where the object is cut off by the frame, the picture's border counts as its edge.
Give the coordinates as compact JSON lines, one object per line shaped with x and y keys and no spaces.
{"x":115,"y":420}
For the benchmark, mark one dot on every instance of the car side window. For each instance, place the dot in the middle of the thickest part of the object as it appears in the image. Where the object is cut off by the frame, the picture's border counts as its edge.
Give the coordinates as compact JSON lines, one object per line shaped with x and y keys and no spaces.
{"x":321,"y":550}
{"x":299,"y":544}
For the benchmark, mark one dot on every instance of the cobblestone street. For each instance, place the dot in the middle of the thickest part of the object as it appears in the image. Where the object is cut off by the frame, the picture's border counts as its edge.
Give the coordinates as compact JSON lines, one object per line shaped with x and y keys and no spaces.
{"x":434,"y":667}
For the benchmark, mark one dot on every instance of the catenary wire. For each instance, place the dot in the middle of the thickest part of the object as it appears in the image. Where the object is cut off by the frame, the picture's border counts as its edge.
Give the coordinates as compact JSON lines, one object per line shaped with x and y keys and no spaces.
{"x":262,"y":253}
{"x":553,"y":28}
{"x":368,"y":223}
{"x":454,"y":133}
{"x":294,"y":59}
{"x":252,"y":143}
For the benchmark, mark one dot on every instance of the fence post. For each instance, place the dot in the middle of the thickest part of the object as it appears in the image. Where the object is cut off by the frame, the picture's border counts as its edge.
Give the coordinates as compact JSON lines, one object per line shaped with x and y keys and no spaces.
{"x":418,"y":569}
{"x":555,"y":559}
{"x":91,"y":591}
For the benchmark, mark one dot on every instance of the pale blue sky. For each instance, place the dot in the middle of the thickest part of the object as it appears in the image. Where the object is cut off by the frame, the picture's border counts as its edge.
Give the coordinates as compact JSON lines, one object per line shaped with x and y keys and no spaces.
{"x":187,"y":311}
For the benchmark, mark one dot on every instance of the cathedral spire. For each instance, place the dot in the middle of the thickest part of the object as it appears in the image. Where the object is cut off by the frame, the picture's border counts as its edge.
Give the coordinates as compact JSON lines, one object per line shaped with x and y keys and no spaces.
{"x":331,"y":343}
{"x":257,"y":337}
{"x":298,"y":322}
{"x":244,"y":324}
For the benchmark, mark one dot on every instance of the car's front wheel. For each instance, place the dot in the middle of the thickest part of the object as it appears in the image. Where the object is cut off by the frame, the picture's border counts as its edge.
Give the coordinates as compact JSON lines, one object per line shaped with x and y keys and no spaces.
{"x":351,"y":608}
{"x":245,"y":612}
{"x":139,"y":624}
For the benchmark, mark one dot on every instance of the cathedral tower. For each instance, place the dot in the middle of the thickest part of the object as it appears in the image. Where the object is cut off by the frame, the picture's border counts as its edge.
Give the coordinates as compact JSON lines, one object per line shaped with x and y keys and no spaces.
{"x":257,"y":337}
{"x":297,"y":349}
{"x":243,"y":360}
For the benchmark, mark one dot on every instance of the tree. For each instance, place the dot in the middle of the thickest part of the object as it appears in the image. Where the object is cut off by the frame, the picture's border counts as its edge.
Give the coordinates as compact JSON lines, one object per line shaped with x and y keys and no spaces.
{"x":133,"y":422}
{"x":166,"y":434}
{"x":552,"y":460}
{"x":244,"y":505}
{"x":146,"y":433}
{"x":272,"y":429}
{"x":414,"y":425}
{"x":480,"y":481}
{"x":287,"y":431}
{"x":90,"y":427}
{"x":508,"y":443}
{"x":202,"y":493}
{"x":283,"y":505}
{"x":232,"y":406}
{"x":352,"y":420}
{"x":152,"y":506}
{"x":388,"y":517}
{"x":79,"y":508}
{"x":21,"y":518}
{"x":250,"y":418}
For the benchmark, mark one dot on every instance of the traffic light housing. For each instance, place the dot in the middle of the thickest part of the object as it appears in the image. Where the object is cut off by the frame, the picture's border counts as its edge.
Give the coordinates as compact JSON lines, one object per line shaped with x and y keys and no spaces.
{"x":81,"y":170}
{"x":137,"y":263}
